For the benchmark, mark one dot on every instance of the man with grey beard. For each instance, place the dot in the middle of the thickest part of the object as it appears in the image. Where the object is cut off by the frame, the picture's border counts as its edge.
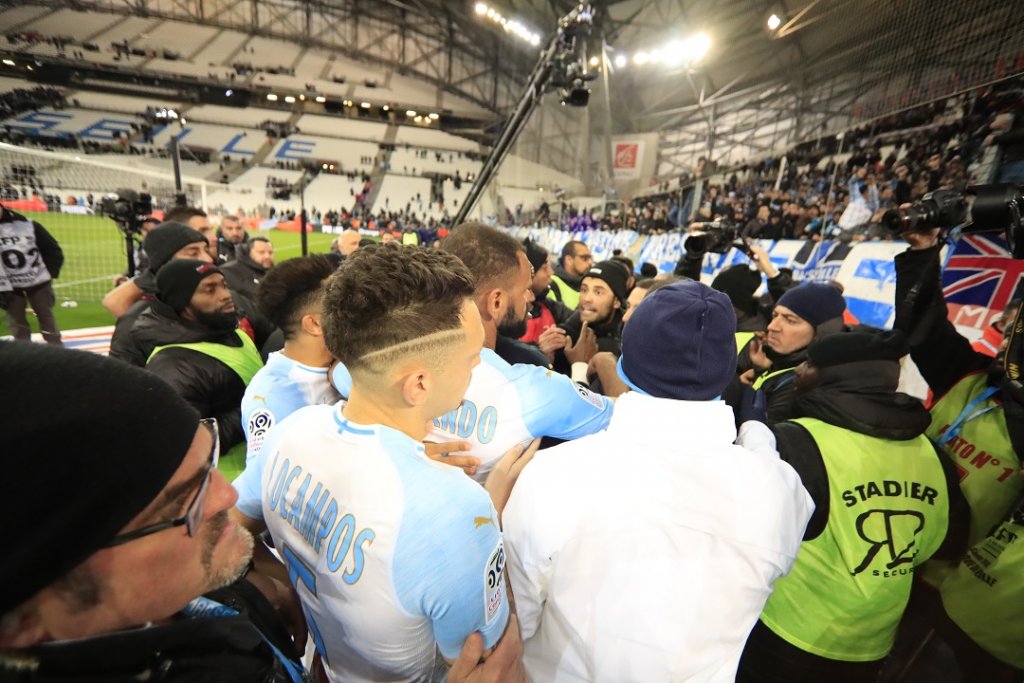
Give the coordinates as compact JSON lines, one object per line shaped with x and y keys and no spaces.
{"x":130,"y":569}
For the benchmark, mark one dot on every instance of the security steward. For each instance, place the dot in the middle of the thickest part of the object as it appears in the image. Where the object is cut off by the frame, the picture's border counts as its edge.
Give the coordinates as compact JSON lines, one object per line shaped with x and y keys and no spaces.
{"x":196,"y":344}
{"x":803,"y":314}
{"x":976,"y":605}
{"x":885,"y":501}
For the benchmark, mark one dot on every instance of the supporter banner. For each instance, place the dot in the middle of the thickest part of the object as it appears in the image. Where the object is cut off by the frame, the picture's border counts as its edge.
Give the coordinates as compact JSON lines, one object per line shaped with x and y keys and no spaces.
{"x":34,"y":204}
{"x":75,"y":208}
{"x":979,"y":278}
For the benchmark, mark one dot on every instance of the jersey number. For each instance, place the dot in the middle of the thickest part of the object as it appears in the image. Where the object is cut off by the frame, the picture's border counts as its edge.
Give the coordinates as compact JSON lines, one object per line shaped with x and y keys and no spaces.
{"x":300,"y":571}
{"x":14,"y":259}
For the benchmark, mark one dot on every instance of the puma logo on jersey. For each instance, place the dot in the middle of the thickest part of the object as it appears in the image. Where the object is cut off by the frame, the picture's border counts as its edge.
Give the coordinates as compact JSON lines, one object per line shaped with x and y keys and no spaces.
{"x":257,"y":397}
{"x":480,"y":521}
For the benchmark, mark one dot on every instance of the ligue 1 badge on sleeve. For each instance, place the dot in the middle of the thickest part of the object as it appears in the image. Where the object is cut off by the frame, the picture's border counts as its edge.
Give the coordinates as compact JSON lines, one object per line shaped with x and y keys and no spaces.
{"x":494,"y":584}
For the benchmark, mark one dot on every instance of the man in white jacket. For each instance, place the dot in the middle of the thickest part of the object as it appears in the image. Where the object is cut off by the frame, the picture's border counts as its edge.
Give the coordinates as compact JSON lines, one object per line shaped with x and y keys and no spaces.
{"x":647,"y":551}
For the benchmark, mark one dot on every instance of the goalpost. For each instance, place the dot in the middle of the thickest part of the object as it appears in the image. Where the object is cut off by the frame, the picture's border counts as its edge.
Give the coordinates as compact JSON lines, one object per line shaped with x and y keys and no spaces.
{"x":64,"y":192}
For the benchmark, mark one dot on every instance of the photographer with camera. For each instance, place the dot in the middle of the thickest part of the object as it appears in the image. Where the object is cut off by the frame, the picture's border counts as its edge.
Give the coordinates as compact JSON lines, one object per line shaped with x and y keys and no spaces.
{"x":978,"y":423}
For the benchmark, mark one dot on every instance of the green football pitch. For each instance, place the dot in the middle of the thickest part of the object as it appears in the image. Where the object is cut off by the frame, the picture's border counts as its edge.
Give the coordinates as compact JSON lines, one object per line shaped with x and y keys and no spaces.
{"x":94,"y":253}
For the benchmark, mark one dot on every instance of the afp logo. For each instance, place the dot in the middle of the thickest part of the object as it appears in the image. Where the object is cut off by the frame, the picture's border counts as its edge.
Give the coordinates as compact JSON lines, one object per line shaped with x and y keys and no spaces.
{"x":894,"y":531}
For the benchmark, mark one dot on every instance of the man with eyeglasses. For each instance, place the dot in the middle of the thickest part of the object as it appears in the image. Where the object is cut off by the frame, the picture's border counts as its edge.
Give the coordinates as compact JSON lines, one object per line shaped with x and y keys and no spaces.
{"x":574,"y":262}
{"x":120,"y":561}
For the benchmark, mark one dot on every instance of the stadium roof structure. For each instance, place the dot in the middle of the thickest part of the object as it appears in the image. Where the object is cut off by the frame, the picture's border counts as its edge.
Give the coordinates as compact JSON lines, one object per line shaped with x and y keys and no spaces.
{"x":827,"y":66}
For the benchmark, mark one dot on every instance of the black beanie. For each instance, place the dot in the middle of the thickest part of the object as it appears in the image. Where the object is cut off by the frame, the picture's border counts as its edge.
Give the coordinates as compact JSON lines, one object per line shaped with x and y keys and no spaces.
{"x":614,"y":274}
{"x":165,"y":240}
{"x":860,"y":344}
{"x":177,"y":281}
{"x":739,"y":283}
{"x":816,"y":303}
{"x":88,"y":443}
{"x":535,"y":254}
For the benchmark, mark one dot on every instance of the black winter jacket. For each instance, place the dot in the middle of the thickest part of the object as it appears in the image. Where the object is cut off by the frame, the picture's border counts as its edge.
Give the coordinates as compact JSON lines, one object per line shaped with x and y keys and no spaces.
{"x":209,"y":386}
{"x":124,"y":345}
{"x":243,"y":275}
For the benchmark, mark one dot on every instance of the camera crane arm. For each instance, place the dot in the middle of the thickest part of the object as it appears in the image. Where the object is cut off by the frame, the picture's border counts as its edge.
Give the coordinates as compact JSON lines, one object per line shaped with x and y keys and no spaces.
{"x":575,"y":25}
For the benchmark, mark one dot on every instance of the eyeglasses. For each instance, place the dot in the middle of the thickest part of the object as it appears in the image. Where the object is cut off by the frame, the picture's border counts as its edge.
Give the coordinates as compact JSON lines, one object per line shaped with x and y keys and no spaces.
{"x":194,"y":514}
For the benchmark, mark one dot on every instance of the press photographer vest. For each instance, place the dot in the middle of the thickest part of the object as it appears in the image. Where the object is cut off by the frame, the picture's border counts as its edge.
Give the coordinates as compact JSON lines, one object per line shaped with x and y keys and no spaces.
{"x":984,"y":594}
{"x":244,"y":360}
{"x":981,"y":451}
{"x":21,"y":264}
{"x":888,"y":512}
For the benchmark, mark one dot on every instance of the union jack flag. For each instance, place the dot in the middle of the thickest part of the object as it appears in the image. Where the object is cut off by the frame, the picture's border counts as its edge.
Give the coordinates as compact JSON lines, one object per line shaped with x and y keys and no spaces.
{"x":981,"y":272}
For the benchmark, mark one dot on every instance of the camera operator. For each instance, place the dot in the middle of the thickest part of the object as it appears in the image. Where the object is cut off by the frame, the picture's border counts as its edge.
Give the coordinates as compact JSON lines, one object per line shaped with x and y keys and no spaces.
{"x":978,"y":423}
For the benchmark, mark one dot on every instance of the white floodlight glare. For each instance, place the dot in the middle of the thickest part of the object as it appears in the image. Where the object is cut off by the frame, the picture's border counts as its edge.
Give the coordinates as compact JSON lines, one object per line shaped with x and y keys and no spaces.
{"x":289,"y":99}
{"x":386,"y":107}
{"x":513,"y":26}
{"x":410,"y":112}
{"x":321,"y":99}
{"x":774,"y":22}
{"x":418,"y":119}
{"x":595,"y":60}
{"x":229,"y":92}
{"x":364,"y":105}
{"x":272,"y":97}
{"x":620,"y":61}
{"x":9,"y":62}
{"x":641,"y":58}
{"x":433,"y":117}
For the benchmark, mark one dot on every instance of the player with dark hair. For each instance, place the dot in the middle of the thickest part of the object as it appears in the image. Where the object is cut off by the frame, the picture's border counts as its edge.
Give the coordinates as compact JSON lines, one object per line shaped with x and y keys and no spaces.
{"x":394,"y":555}
{"x":290,"y":297}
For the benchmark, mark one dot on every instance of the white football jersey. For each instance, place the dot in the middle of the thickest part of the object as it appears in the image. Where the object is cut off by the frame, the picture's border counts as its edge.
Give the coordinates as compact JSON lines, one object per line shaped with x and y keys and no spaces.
{"x":394,"y":556}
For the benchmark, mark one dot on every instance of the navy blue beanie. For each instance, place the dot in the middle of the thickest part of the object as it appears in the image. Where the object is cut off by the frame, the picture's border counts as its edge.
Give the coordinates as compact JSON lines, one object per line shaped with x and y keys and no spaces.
{"x":814,"y":302}
{"x":680,"y":343}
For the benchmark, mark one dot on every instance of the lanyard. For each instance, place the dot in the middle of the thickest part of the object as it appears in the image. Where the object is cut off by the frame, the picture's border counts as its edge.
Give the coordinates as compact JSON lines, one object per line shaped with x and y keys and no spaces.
{"x":966,"y":415}
{"x":204,"y":607}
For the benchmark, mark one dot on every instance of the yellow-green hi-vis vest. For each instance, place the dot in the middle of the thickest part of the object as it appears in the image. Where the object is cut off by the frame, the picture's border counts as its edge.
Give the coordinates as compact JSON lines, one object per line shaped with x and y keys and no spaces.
{"x":888,"y":512}
{"x":982,"y":453}
{"x":244,"y":360}
{"x":984,"y":594}
{"x":759,"y":382}
{"x":566,"y":294}
{"x":742,"y":339}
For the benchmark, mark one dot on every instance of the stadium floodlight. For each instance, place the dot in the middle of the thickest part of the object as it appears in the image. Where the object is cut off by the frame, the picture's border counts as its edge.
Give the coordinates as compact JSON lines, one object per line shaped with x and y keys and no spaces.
{"x":434,"y":117}
{"x":641,"y":58}
{"x":272,"y":97}
{"x":513,"y":26}
{"x":321,"y":99}
{"x":410,"y":113}
{"x":289,"y":99}
{"x":774,"y":22}
{"x":9,"y":62}
{"x":595,"y":60}
{"x":229,"y":92}
{"x":302,"y":98}
{"x":418,"y":119}
{"x":364,"y":105}
{"x":621,"y":61}
{"x":386,"y":108}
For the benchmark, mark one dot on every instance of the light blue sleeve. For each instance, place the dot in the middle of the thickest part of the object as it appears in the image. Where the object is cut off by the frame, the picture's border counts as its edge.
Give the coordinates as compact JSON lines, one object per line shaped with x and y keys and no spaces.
{"x":554,"y":405}
{"x":449,"y":561}
{"x":249,"y":484}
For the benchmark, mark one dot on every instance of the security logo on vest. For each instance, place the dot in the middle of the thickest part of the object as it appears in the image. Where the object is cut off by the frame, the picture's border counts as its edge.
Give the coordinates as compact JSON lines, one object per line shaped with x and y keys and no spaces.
{"x":894,"y":530}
